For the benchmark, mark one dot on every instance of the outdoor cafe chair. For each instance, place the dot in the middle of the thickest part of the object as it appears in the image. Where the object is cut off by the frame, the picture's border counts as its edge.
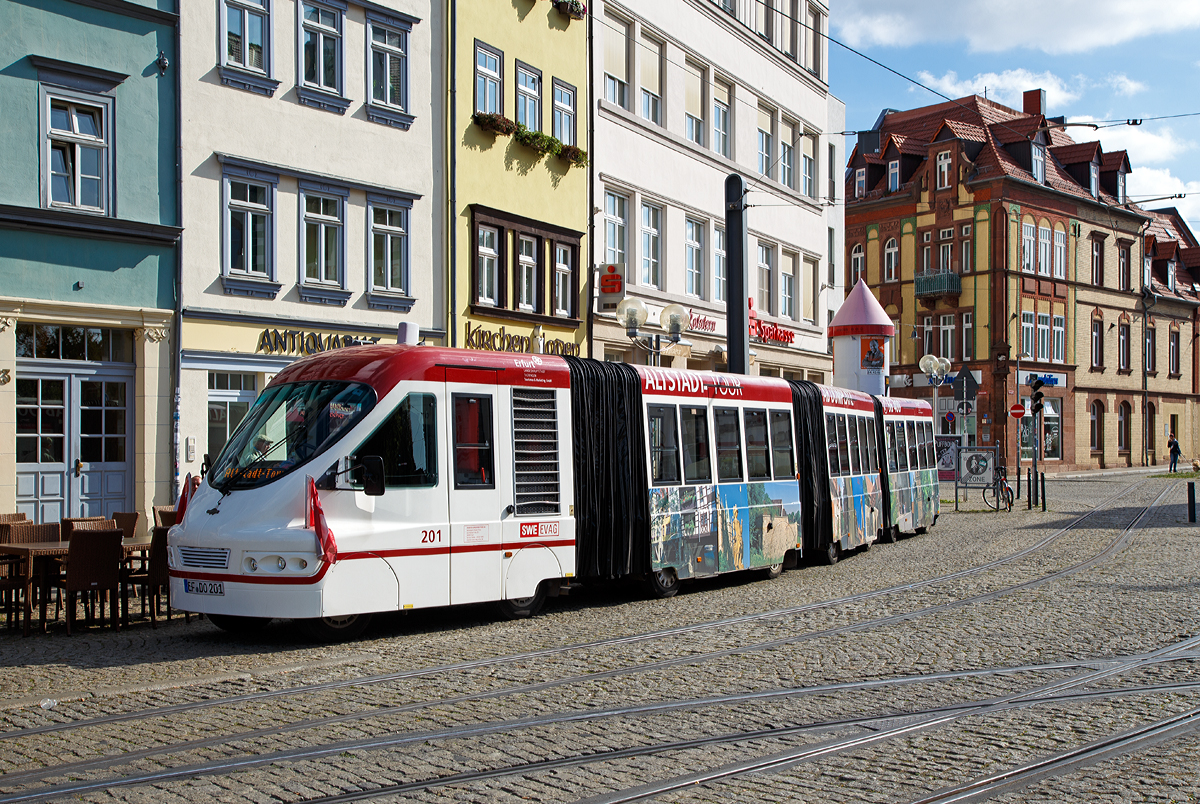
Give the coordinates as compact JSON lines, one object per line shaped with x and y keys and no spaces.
{"x":164,"y":516}
{"x":153,"y":576}
{"x":5,"y":518}
{"x":12,"y":576}
{"x":93,"y":565}
{"x":127,"y":522}
{"x":74,"y":523}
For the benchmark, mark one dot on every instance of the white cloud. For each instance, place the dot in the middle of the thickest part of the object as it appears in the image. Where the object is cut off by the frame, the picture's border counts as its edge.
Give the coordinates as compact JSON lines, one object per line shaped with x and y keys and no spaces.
{"x":1124,"y":85}
{"x":1065,"y":26}
{"x":1154,"y":183}
{"x":1006,"y":87}
{"x":1146,"y":146}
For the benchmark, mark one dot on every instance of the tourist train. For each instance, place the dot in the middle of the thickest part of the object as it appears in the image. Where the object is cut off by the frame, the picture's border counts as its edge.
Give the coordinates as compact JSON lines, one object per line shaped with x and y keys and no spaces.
{"x":394,"y":477}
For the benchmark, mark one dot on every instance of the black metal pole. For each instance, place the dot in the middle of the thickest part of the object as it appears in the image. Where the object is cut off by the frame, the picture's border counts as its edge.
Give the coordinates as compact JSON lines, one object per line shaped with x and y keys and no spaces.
{"x":1028,"y":489}
{"x":737,"y":242}
{"x":1191,"y":501}
{"x":1043,"y":492}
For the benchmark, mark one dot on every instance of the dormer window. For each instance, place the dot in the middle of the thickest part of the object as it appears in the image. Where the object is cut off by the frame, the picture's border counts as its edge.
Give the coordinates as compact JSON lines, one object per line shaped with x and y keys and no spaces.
{"x":1039,"y":163}
{"x":1120,"y":187}
{"x":893,"y":175}
{"x":943,"y":170}
{"x":1094,"y":183}
{"x":1171,"y":276}
{"x":860,"y":182}
{"x":1146,"y":263}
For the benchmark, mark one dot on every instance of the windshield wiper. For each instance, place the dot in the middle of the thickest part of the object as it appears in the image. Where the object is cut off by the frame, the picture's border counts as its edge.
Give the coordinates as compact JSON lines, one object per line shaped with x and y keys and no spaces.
{"x":227,"y":486}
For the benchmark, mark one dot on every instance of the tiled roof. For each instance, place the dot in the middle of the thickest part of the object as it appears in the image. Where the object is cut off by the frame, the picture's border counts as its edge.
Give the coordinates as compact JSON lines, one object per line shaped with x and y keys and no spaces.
{"x":1077,"y":153}
{"x":1115,"y":160}
{"x":1018,"y":129}
{"x":1168,"y":223}
{"x":906,"y":145}
{"x":1190,"y":256}
{"x":964,"y":131}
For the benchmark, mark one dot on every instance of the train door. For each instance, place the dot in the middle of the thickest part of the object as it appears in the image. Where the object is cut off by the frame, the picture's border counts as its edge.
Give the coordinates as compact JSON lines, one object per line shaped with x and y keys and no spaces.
{"x":475,"y":510}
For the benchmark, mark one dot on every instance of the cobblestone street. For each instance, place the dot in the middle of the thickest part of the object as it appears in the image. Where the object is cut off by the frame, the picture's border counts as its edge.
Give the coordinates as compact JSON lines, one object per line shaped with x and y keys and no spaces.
{"x":903,"y":673}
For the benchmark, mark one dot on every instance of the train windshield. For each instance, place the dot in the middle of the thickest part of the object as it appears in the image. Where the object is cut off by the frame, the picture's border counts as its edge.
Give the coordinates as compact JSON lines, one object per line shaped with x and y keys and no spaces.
{"x":288,"y":426}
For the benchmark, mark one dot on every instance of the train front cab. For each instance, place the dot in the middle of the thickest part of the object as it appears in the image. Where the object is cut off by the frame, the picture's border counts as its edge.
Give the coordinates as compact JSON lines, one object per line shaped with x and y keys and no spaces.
{"x":911,"y":464}
{"x":853,"y":459}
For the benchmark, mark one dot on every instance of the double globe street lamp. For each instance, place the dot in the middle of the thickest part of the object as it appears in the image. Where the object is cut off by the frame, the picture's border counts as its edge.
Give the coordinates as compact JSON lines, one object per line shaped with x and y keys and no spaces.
{"x":632,"y":314}
{"x":936,"y":370}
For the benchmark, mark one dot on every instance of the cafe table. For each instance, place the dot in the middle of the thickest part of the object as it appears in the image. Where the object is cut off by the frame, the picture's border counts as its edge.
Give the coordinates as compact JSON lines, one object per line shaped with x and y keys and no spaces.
{"x":41,"y":553}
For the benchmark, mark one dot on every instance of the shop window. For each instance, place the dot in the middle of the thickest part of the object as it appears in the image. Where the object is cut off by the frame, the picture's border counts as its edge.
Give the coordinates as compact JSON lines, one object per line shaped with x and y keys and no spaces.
{"x":91,"y":344}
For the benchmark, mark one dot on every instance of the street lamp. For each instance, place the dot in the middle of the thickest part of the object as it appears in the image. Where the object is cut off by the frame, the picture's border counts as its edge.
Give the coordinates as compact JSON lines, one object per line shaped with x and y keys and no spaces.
{"x":1018,"y":384}
{"x":632,"y":314}
{"x":936,"y":369}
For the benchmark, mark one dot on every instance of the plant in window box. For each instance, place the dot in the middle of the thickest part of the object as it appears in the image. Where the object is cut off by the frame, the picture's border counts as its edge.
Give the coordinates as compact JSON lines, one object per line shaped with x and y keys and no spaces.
{"x":574,"y":154}
{"x":571,"y":8}
{"x":539,"y":141}
{"x":495,"y":123}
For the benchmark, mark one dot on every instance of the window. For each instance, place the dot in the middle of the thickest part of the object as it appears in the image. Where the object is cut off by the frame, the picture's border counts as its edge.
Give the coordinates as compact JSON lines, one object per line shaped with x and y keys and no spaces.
{"x":1151,"y":349}
{"x":858,"y":263}
{"x":488,"y":80}
{"x":696,"y":467}
{"x":1097,"y":263}
{"x":1171,"y":275}
{"x":808,"y":165}
{"x":966,"y":257}
{"x":389,"y":249}
{"x":813,"y":49}
{"x":77,"y":155}
{"x":407,"y":442}
{"x":1038,"y":160}
{"x":1044,"y":250}
{"x":898,"y":455}
{"x":1060,"y":339}
{"x":729,"y":444}
{"x":389,"y":65}
{"x":1097,"y":344}
{"x":831,"y":442}
{"x":651,"y":61}
{"x":766,"y":267}
{"x":831,"y":253}
{"x":230,"y":397}
{"x":651,"y":243}
{"x":1124,"y":416}
{"x":473,"y":441}
{"x":322,"y":239}
{"x":843,"y":440}
{"x":1123,"y":346}
{"x":563,"y":293}
{"x":765,"y":155}
{"x":246,"y":35}
{"x":693,"y":103}
{"x":1146,"y":263}
{"x":968,"y":339}
{"x":1124,"y":274}
{"x":693,"y":246}
{"x":928,"y":334}
{"x":1097,"y":425}
{"x":891,"y":260}
{"x":943,"y":170}
{"x":832,"y":172}
{"x":564,"y":113}
{"x":1120,"y":187}
{"x":1043,"y":337}
{"x":616,"y":62}
{"x":487,"y":264}
{"x":1173,"y":352}
{"x":719,"y":265}
{"x":720,"y":142}
{"x":787,"y":159}
{"x":893,"y":175}
{"x":781,"y":442}
{"x":808,"y":291}
{"x":947,"y":330}
{"x":945,"y":257}
{"x":322,"y":47}
{"x":529,"y":97}
{"x":763,"y":18}
{"x":787,"y":286}
{"x":249,"y":228}
{"x":894,"y":351}
{"x":614,"y":228}
{"x":1027,"y":334}
{"x":527,"y":271}
{"x":758,"y":451}
{"x":1060,"y":254}
{"x":860,"y":182}
{"x":1094,"y":179}
{"x":664,"y":445}
{"x":1028,"y":232}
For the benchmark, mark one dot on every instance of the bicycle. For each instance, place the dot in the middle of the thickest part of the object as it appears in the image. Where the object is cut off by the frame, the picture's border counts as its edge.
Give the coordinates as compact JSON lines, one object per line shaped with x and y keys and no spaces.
{"x":999,"y":494}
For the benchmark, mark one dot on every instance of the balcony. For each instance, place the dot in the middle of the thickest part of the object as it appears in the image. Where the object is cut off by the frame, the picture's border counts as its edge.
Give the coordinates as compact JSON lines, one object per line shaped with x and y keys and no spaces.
{"x":929,"y":288}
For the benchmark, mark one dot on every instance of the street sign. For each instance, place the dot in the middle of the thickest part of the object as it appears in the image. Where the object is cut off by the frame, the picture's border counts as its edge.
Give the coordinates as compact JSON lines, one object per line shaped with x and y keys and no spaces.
{"x":950,"y":416}
{"x":1017,"y":411}
{"x":965,"y":386}
{"x":975,"y":467}
{"x":966,"y":408}
{"x":612,"y":287}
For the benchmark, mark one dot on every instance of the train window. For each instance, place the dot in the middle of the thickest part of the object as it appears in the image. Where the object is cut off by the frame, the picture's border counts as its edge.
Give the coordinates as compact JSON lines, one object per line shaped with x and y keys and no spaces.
{"x":535,"y":452}
{"x":696,"y":466}
{"x":901,"y":448}
{"x":865,"y":446}
{"x":889,"y":430}
{"x":473,"y":465}
{"x":873,"y":446}
{"x":758,"y":450}
{"x":407,"y":442}
{"x":832,"y":442}
{"x":930,"y":450}
{"x":664,"y":445}
{"x":843,"y":444}
{"x":781,"y":441}
{"x":921,"y":445}
{"x":913,"y":461}
{"x":856,"y":467}
{"x":729,"y":444}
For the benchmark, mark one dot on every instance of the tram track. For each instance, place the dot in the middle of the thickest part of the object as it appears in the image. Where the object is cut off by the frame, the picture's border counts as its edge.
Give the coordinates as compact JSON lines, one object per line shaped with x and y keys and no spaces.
{"x":527,"y":656}
{"x":478,"y":729}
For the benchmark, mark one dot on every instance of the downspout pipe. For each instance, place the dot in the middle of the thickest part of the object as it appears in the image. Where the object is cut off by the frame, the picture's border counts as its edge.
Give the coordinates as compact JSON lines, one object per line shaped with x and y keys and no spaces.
{"x":177,"y":352}
{"x":591,"y":188}
{"x":452,"y":255}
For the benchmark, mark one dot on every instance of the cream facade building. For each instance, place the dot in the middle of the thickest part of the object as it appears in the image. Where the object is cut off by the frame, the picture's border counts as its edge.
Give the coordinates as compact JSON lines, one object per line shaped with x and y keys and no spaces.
{"x":687,"y":92}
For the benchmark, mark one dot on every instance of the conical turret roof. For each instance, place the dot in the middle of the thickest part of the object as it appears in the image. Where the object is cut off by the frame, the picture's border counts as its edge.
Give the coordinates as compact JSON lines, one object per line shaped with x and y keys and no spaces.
{"x":861,"y":314}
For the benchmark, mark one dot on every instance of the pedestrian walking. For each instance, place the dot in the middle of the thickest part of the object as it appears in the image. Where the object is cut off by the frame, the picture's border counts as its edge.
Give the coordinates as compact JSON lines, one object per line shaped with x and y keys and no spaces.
{"x":1173,"y":447}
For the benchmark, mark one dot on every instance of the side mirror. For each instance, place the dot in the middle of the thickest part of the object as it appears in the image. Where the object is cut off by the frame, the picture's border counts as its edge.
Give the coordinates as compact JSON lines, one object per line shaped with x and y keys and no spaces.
{"x":372,"y":475}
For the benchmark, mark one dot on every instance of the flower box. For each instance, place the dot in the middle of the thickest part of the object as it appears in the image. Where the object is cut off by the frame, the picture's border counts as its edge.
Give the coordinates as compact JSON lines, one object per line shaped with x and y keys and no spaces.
{"x":571,"y":8}
{"x":574,"y":154}
{"x":541,"y":142}
{"x":495,"y":123}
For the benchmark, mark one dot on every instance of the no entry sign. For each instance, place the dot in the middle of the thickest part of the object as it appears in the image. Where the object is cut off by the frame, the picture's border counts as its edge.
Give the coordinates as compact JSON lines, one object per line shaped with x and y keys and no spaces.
{"x":1017,"y":411}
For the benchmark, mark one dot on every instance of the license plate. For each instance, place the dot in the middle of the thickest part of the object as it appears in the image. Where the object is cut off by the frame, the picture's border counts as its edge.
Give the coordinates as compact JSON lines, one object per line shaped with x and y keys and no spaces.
{"x":203,"y":587}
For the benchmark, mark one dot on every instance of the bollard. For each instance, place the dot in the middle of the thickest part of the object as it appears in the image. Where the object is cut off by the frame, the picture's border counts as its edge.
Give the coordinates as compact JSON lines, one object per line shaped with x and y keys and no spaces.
{"x":1028,"y":489}
{"x":1191,"y":501}
{"x":1043,"y":492}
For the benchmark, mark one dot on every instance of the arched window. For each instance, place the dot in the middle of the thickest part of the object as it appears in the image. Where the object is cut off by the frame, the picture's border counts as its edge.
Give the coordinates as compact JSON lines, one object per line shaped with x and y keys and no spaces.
{"x":857,"y":263}
{"x":891,"y":260}
{"x":1097,"y":425}
{"x":1124,"y":414}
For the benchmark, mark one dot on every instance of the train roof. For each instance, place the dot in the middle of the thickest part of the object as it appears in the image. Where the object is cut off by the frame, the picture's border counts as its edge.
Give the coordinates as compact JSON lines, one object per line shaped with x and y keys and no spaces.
{"x":846,"y":398}
{"x":899,"y":406}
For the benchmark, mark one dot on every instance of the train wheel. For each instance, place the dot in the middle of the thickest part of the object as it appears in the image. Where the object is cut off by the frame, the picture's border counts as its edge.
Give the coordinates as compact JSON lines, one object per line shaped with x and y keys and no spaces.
{"x":336,"y":629}
{"x":832,"y":553}
{"x":519,"y":608}
{"x":663,"y":583}
{"x":238,"y":625}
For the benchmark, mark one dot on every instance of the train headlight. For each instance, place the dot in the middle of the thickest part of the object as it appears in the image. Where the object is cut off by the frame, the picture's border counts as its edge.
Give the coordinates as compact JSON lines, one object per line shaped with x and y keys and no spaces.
{"x":281,"y":563}
{"x":251,"y":564}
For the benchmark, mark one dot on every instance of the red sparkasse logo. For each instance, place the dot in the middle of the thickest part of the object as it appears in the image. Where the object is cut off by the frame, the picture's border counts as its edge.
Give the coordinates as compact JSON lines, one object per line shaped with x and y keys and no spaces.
{"x":531,"y":530}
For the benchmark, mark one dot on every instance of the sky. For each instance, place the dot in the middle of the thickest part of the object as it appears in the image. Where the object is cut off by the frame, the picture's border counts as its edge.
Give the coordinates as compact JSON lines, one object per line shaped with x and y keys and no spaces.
{"x":1098,"y":60}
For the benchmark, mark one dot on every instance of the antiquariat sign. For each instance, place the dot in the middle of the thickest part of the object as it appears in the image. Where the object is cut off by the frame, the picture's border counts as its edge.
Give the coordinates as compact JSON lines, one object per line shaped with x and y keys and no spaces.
{"x":299,"y":342}
{"x":504,"y":341}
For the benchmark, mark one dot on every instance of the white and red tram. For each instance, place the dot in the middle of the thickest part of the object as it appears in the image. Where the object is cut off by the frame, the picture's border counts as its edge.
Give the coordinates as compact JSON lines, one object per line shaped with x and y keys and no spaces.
{"x":385,"y":478}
